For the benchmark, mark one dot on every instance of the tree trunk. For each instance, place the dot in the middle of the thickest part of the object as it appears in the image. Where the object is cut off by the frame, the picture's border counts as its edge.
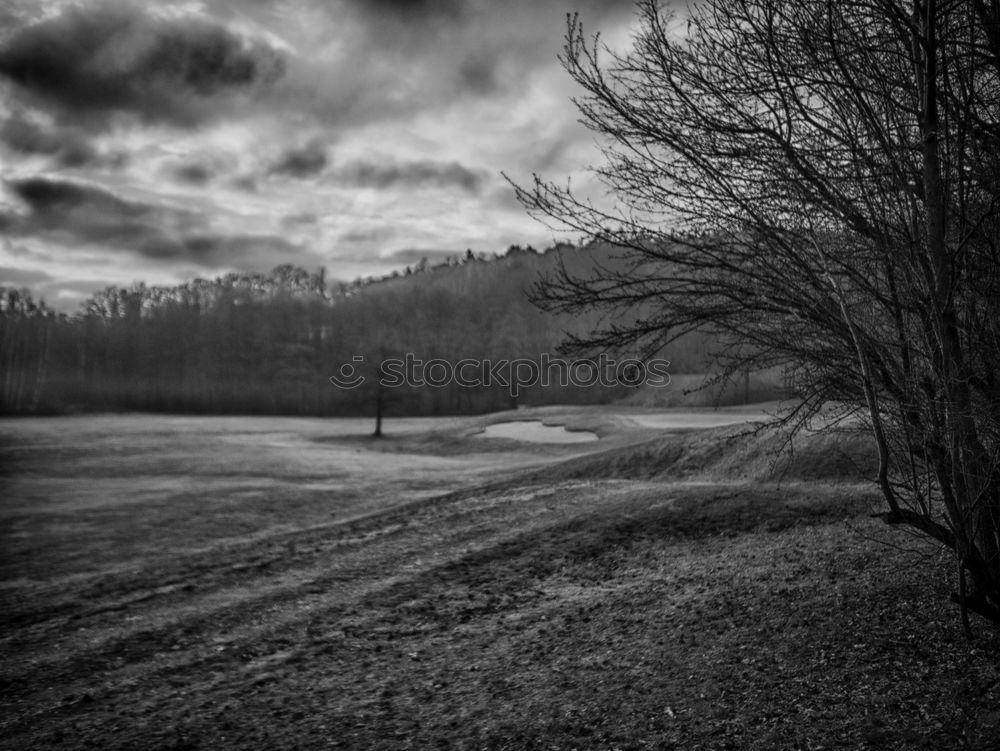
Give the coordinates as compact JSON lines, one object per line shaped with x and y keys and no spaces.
{"x":379,"y":407}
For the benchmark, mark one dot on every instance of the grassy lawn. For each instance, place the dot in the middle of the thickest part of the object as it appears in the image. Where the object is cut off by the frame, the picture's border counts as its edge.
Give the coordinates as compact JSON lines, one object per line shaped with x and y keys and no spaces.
{"x":550,"y":609}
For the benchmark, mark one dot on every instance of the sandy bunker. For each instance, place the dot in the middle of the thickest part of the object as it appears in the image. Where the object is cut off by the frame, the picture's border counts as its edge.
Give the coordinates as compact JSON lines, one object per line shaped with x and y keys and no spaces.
{"x":533,"y":431}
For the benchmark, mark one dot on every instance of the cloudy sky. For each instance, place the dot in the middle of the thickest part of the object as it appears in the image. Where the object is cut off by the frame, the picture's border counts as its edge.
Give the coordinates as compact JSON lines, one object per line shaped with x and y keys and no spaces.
{"x":162,"y":141}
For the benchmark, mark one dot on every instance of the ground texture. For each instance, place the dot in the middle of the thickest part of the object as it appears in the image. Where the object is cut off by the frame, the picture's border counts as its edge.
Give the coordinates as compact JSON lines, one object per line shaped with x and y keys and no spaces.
{"x":515,"y":599}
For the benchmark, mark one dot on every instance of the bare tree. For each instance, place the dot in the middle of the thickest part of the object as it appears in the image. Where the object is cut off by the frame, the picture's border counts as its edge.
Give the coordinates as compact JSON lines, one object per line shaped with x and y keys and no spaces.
{"x":818,"y":183}
{"x":25,"y":347}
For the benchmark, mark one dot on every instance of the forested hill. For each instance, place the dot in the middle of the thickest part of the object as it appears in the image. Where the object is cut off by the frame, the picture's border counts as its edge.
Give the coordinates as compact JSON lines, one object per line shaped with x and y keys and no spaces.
{"x":268,"y":343}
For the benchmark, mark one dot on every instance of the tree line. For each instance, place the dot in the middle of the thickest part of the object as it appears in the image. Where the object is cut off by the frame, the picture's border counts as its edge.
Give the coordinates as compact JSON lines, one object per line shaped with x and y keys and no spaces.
{"x":268,"y":343}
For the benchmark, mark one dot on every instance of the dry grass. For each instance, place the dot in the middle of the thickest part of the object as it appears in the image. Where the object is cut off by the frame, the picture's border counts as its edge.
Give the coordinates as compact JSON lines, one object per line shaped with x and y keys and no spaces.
{"x":598,"y":604}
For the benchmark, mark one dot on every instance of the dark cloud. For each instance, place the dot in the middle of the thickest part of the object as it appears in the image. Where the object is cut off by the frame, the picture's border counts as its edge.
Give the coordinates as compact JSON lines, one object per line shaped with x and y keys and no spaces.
{"x":209,"y":250}
{"x":303,"y":218}
{"x":385,"y":59}
{"x":480,"y":73}
{"x":67,"y":147}
{"x":71,"y":212}
{"x":118,"y":57}
{"x":47,"y":197}
{"x":405,"y":24}
{"x":194,"y":173}
{"x":31,"y":254}
{"x":412,"y":174}
{"x":22,"y":277}
{"x":246,"y":183}
{"x":367,"y":234}
{"x":304,"y":161}
{"x":420,"y":11}
{"x":215,"y":250}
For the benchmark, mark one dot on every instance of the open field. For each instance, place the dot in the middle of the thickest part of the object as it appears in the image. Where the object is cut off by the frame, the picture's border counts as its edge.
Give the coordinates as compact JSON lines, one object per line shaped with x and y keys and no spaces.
{"x":176,"y":582}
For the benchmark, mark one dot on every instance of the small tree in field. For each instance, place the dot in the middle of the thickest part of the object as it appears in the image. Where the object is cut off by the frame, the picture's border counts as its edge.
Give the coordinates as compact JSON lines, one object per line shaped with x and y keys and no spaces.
{"x":818,"y":181}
